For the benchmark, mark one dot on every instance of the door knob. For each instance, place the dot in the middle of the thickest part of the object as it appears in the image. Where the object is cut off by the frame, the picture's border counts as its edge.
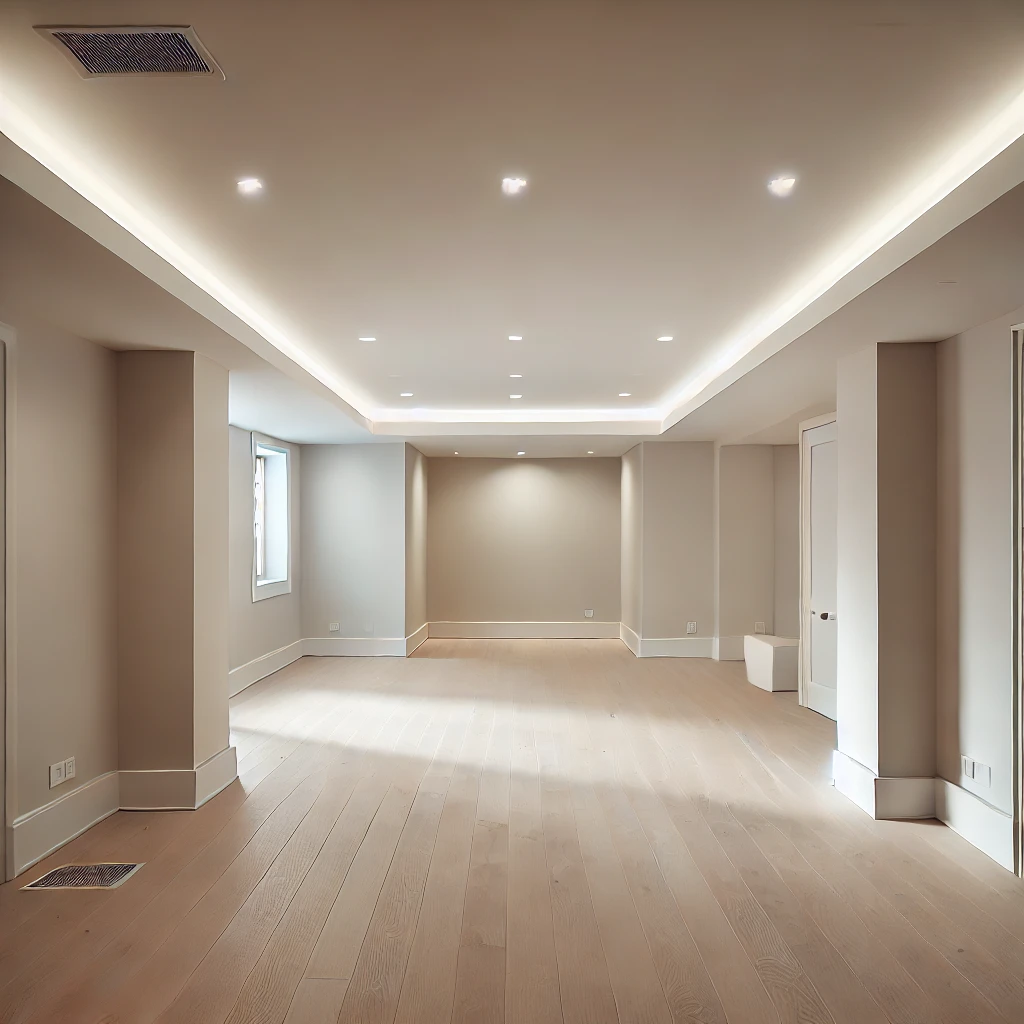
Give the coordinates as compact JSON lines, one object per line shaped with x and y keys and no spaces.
{"x":824,"y":616}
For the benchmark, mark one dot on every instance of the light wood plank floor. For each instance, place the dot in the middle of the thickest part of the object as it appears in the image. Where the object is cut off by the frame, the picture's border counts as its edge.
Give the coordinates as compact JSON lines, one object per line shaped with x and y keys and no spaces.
{"x":521,"y":831}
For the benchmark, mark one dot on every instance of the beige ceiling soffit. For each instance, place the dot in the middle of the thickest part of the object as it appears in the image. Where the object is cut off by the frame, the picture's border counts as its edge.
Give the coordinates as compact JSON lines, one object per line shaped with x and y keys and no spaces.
{"x":541,"y":427}
{"x":172,"y":269}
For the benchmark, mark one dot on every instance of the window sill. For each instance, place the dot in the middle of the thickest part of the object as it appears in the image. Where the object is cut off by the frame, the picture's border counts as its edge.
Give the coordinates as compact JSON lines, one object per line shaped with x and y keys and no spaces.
{"x":265,"y":589}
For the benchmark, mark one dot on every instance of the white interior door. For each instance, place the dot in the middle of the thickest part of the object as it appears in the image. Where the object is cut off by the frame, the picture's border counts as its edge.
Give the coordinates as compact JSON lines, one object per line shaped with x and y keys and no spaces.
{"x":819,"y":577}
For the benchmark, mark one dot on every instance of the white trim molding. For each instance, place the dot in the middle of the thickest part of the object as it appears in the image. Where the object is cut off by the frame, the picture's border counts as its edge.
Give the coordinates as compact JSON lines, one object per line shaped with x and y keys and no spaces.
{"x":37,"y":834}
{"x":413,"y":640}
{"x":259,"y":668}
{"x":982,"y":825}
{"x":883,"y":798}
{"x":727,"y":648}
{"x":676,"y":647}
{"x":585,"y":630}
{"x":629,"y":638}
{"x":178,"y":789}
{"x":354,"y":647}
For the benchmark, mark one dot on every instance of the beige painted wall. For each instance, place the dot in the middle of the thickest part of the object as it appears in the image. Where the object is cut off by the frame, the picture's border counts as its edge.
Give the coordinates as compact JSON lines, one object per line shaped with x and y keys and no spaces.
{"x":526,"y":540}
{"x":678,"y":538}
{"x":415,"y":539}
{"x":632,"y":542}
{"x":259,"y":627}
{"x":353,"y":540}
{"x":155,"y":559}
{"x":211,"y":618}
{"x":745,"y":537}
{"x":975,"y":556}
{"x":787,"y":539}
{"x":62,"y":517}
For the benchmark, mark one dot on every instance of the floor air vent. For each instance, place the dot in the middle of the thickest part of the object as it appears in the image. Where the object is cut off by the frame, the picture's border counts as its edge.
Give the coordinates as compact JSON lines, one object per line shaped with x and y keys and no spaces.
{"x":85,"y":876}
{"x":115,"y":50}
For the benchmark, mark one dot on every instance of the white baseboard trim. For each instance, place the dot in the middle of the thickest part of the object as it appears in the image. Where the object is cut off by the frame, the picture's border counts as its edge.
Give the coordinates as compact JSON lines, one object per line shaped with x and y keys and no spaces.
{"x":982,"y":825}
{"x":413,"y":640}
{"x":676,"y":647}
{"x":629,"y":638}
{"x":585,"y":630}
{"x":885,"y":799}
{"x":728,"y":648}
{"x":37,"y":834}
{"x":259,"y":668}
{"x":354,"y":647}
{"x":215,"y":774}
{"x":180,"y":789}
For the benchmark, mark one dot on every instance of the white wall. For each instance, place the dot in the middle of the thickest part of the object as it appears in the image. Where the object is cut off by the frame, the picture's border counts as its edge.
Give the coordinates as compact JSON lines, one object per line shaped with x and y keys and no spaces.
{"x":632,"y":540}
{"x":353,"y":540}
{"x":259,"y":627}
{"x":523,"y":540}
{"x":975,"y":557}
{"x":745,"y":539}
{"x":787,"y":540}
{"x":415,"y":539}
{"x":62,"y":520}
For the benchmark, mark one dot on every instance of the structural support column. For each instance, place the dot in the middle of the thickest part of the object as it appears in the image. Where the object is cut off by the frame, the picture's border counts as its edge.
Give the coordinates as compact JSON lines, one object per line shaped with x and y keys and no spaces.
{"x":172,"y":579}
{"x":886,"y":681}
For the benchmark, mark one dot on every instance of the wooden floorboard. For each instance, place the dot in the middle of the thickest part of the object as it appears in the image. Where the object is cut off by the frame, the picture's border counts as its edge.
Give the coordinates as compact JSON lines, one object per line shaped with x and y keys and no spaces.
{"x":531,"y":832}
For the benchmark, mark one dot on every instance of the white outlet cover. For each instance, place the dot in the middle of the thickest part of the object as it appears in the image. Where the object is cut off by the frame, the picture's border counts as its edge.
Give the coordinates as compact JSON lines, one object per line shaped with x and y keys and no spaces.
{"x":758,"y":627}
{"x":588,"y":613}
{"x":56,"y":774}
{"x":69,"y":768}
{"x":691,"y":627}
{"x":334,"y":626}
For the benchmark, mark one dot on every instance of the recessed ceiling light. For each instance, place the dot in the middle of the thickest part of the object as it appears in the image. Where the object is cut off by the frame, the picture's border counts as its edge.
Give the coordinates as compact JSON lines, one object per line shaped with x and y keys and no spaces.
{"x":520,"y":453}
{"x":367,"y":339}
{"x":515,"y":376}
{"x":665,"y":337}
{"x":515,"y":396}
{"x":249,"y":186}
{"x":515,"y":337}
{"x":781,"y":186}
{"x":405,"y":394}
{"x":513,"y":186}
{"x":624,"y":394}
{"x":590,"y":453}
{"x":455,"y":453}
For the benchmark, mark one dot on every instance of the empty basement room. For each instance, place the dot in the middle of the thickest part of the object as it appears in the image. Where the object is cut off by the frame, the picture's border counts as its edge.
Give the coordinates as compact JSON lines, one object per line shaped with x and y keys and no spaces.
{"x":512,"y":512}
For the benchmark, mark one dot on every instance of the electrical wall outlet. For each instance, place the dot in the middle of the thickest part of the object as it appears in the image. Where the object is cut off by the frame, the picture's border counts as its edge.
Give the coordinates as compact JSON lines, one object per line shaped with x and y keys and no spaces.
{"x":334,"y":626}
{"x":588,"y":613}
{"x":691,"y":627}
{"x":971,"y":769}
{"x":69,"y":768}
{"x":56,"y":774}
{"x":758,"y":627}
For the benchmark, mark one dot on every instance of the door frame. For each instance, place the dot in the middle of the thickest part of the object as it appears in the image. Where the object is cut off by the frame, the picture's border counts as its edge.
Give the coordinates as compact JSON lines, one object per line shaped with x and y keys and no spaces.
{"x":1017,"y":718}
{"x":8,"y":767}
{"x":803,"y":667}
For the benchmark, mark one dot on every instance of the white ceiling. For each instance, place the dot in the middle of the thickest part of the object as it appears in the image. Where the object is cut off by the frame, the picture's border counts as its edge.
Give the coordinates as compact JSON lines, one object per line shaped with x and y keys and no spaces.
{"x":647,"y":131}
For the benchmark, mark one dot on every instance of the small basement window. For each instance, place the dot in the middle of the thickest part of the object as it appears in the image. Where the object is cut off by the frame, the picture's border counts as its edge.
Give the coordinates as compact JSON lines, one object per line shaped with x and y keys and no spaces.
{"x":271,"y":556}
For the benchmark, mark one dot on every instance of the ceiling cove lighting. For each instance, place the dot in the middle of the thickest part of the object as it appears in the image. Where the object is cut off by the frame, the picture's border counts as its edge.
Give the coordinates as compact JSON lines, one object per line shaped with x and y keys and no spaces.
{"x":517,"y":376}
{"x":515,"y":337}
{"x":665,"y":337}
{"x":513,"y":186}
{"x":990,"y":134}
{"x":367,"y":339}
{"x":250,"y":186}
{"x":781,"y":186}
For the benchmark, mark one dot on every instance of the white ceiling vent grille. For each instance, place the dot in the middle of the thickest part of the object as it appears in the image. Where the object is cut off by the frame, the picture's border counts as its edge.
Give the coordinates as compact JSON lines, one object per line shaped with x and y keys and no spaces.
{"x":111,"y":51}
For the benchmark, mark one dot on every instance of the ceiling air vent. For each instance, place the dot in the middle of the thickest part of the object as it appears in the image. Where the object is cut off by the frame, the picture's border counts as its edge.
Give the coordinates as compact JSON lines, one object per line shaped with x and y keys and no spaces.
{"x":109,"y":51}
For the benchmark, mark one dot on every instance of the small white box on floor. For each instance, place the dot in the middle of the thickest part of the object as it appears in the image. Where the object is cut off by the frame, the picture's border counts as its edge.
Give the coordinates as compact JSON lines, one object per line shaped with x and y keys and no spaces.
{"x":771,"y":661}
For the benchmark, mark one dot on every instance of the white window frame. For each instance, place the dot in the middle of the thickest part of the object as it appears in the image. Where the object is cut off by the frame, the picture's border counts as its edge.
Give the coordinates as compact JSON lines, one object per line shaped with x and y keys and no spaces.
{"x":279,"y":505}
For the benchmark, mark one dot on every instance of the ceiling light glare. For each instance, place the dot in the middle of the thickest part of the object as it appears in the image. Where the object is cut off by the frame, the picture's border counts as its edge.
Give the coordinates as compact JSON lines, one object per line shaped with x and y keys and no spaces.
{"x":513,"y":186}
{"x":405,"y":394}
{"x":781,"y":186}
{"x":250,"y":186}
{"x":590,"y":453}
{"x":520,"y":453}
{"x":515,"y":376}
{"x":515,"y":396}
{"x":624,"y":394}
{"x":455,"y":453}
{"x":665,"y":337}
{"x":515,"y":337}
{"x":367,"y":339}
